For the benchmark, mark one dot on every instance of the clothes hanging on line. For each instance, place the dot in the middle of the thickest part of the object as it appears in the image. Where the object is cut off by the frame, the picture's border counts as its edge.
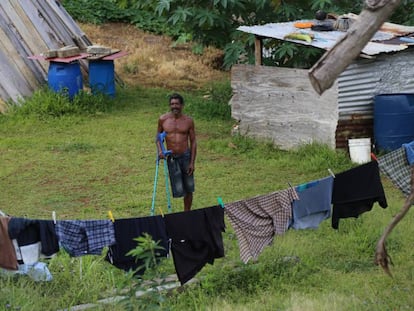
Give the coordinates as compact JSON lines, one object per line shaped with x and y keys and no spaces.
{"x":34,"y":238}
{"x":395,"y":166}
{"x":409,"y":152}
{"x":256,"y":220}
{"x":126,"y":230}
{"x":314,"y":204}
{"x":355,"y":191}
{"x":8,"y":259}
{"x":83,"y":237}
{"x":196,"y":239}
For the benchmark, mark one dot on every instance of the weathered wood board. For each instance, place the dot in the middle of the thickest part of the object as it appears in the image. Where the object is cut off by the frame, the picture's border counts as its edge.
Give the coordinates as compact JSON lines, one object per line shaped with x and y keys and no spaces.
{"x":280,"y":105}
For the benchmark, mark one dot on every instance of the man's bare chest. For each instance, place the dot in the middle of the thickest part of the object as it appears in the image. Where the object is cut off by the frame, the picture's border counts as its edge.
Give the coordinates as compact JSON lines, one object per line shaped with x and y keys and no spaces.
{"x":175,"y":126}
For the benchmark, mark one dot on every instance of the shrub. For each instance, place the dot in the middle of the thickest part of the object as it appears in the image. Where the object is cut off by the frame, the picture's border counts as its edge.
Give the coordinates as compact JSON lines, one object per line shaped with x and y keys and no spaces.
{"x":44,"y":103}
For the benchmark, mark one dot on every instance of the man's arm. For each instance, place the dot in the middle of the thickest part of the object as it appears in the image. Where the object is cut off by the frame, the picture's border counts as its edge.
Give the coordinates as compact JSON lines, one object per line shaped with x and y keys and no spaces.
{"x":160,"y":129}
{"x":193,"y":147}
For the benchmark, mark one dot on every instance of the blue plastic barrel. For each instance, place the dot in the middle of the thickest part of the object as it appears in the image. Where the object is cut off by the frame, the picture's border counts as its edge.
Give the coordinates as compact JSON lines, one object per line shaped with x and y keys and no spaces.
{"x":65,"y":78}
{"x":102,"y":77}
{"x":393,"y":120}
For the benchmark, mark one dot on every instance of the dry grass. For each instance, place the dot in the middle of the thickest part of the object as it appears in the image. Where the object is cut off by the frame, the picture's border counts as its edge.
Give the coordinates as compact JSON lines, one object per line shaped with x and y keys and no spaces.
{"x":153,"y":61}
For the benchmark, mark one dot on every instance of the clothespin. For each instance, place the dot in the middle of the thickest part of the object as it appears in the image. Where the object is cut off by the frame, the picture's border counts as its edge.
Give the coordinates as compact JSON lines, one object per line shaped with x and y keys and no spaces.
{"x":330,"y":172}
{"x":111,"y":217}
{"x":374,"y":157}
{"x":54,"y":217}
{"x":162,"y":213}
{"x":220,"y":202}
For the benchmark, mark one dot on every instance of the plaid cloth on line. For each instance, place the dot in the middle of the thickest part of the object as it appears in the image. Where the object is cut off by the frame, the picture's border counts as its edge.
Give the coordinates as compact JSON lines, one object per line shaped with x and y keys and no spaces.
{"x":83,"y":237}
{"x":256,"y":220}
{"x":395,"y":166}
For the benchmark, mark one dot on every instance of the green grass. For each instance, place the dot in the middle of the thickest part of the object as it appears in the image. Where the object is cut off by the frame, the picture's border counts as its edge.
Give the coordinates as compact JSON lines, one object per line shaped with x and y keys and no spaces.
{"x":85,"y":162}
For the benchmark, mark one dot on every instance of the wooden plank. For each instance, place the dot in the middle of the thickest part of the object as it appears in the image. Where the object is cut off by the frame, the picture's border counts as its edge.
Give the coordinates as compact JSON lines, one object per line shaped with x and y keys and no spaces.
{"x":24,"y":27}
{"x":65,"y":19}
{"x":41,"y":25}
{"x":62,"y":34}
{"x":17,"y":52}
{"x":114,"y":54}
{"x":3,"y":108}
{"x":13,"y":83}
{"x":258,"y":46}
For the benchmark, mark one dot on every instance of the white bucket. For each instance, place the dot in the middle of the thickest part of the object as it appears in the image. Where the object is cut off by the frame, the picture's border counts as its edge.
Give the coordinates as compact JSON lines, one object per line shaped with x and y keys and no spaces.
{"x":360,"y":150}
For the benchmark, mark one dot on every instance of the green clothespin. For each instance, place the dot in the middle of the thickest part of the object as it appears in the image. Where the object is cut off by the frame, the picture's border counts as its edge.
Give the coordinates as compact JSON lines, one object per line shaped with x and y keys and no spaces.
{"x":220,"y":201}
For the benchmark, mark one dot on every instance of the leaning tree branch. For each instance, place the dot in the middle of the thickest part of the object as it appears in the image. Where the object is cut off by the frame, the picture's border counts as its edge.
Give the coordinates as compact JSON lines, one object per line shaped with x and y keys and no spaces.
{"x":325,"y":71}
{"x":381,"y":256}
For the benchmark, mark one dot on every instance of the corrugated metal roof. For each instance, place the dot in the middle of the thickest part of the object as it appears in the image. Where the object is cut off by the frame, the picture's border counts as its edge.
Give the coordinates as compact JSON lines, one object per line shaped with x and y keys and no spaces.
{"x":382,"y":42}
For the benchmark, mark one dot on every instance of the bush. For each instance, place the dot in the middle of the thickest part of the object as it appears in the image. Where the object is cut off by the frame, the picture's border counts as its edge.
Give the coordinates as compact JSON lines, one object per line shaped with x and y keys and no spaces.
{"x":96,"y":11}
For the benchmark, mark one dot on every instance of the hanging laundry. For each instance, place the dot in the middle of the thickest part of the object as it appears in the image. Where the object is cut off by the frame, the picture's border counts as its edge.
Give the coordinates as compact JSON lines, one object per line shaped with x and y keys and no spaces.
{"x":83,"y":237}
{"x":35,"y":238}
{"x":196,"y":239}
{"x":314,"y":204}
{"x":126,"y":230}
{"x":355,"y":191}
{"x":409,"y":152}
{"x":8,"y":259}
{"x":256,"y":220}
{"x":395,"y":166}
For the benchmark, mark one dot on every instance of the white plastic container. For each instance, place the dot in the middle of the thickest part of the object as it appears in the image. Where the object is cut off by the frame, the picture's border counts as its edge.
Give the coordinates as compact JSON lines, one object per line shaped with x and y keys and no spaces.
{"x":360,"y":150}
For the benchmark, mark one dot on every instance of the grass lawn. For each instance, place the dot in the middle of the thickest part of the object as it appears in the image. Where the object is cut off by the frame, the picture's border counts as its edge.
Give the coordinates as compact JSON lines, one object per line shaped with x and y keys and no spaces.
{"x":82,"y":166}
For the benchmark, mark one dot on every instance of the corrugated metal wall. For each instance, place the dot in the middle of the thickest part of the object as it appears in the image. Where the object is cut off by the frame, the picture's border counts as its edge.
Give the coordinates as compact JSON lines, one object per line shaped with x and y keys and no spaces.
{"x":30,"y":27}
{"x":360,"y":82}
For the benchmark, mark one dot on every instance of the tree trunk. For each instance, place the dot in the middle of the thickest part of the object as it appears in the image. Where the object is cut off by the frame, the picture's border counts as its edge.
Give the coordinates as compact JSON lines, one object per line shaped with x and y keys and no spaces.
{"x":324,"y":73}
{"x":381,"y":255}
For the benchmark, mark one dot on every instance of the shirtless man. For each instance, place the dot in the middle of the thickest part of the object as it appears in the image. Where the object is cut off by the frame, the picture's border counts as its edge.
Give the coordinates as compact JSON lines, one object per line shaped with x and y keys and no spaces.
{"x":181,"y":140}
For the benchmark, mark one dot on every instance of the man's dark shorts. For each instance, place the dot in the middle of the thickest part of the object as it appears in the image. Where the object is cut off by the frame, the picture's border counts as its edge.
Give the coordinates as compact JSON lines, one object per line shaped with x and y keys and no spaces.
{"x":181,"y":182}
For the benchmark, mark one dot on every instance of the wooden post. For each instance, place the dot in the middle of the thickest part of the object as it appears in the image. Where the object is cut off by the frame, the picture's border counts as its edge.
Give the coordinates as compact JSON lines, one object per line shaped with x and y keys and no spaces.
{"x":258,"y":46}
{"x":324,"y":73}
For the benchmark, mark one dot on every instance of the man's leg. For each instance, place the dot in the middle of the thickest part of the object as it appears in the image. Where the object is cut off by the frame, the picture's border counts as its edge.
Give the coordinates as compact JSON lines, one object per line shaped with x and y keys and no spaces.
{"x":188,"y":201}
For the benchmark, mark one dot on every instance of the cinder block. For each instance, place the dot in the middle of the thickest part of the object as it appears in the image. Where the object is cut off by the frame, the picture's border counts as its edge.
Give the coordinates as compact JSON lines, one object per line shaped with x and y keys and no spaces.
{"x":68,"y":51}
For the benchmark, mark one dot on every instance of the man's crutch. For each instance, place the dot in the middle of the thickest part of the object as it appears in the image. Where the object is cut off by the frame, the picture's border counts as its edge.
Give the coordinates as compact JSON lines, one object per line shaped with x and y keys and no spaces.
{"x":160,"y":139}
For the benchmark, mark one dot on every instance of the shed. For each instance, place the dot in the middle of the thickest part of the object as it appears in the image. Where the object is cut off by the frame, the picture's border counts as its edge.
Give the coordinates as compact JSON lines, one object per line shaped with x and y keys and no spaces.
{"x":297,"y":114}
{"x":30,"y":27}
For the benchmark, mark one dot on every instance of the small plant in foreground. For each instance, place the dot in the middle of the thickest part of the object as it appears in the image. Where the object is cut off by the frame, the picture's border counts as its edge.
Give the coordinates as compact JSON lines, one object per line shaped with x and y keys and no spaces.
{"x":150,"y":297}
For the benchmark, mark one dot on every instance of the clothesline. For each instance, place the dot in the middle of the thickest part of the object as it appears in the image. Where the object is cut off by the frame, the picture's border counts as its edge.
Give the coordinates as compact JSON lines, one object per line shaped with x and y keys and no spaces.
{"x":351,"y":193}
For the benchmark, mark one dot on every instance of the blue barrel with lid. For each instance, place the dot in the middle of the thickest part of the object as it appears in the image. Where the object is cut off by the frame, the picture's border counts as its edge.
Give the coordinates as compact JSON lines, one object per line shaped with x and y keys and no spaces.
{"x":102,"y":77}
{"x":65,"y":78}
{"x":393,"y":120}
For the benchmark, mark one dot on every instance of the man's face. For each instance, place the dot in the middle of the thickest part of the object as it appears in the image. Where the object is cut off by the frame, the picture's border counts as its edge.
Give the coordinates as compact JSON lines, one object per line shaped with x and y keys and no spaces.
{"x":175,"y":106}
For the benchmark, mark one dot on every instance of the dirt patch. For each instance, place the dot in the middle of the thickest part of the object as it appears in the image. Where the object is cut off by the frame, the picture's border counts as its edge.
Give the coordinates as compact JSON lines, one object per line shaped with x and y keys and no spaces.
{"x":153,"y":61}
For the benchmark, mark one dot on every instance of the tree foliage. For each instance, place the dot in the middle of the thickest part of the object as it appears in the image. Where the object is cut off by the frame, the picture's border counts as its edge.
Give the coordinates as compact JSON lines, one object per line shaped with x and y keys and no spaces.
{"x":215,"y":22}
